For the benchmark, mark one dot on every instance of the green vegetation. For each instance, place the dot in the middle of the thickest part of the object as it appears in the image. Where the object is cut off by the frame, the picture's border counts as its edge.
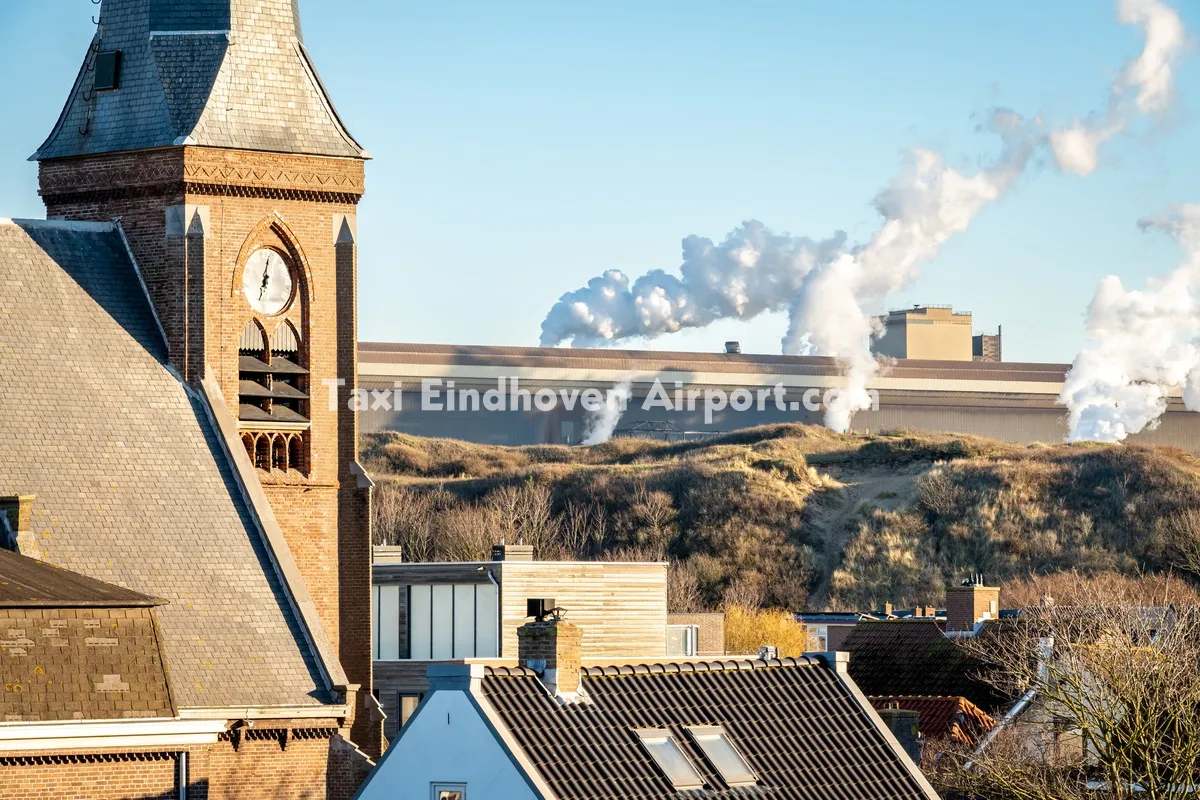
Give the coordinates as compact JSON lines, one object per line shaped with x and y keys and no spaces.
{"x":794,"y":516}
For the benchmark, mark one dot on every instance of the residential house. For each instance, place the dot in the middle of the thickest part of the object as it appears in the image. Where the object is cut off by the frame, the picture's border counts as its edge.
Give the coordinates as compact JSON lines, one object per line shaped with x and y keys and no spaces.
{"x":436,"y":612}
{"x":543,"y":726}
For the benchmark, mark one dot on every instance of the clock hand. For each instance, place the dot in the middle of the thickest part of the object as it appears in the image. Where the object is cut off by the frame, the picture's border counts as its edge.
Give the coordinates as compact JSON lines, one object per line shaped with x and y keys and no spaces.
{"x":266,"y":279}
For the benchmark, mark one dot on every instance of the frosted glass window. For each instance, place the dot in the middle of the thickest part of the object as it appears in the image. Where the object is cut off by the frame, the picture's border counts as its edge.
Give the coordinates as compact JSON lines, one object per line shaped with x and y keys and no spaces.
{"x":389,"y":622}
{"x":464,"y":621}
{"x":442,"y":634}
{"x":719,"y":750}
{"x":671,"y":759}
{"x":486,"y":620}
{"x":375,"y":622}
{"x":420,"y":632}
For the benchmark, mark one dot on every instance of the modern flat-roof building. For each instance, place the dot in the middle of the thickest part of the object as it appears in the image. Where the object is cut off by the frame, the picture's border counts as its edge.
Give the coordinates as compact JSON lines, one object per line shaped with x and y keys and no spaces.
{"x":427,"y":613}
{"x":1008,"y":401}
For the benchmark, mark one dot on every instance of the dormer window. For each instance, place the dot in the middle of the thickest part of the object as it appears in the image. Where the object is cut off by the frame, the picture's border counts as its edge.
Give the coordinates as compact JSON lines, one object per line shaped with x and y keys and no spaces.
{"x":725,"y":758}
{"x":108,"y":70}
{"x":664,"y":748}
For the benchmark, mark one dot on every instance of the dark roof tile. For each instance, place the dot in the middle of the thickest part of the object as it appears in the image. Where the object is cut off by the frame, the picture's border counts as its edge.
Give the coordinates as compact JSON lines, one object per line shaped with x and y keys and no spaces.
{"x":794,"y":720}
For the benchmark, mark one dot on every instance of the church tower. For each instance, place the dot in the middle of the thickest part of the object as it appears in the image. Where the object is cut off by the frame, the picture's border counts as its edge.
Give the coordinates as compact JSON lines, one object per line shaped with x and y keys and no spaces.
{"x":204,"y":127}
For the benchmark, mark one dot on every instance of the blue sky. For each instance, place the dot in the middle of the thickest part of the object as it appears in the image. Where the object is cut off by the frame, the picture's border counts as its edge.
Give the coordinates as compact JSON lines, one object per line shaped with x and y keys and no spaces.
{"x":521,"y":148}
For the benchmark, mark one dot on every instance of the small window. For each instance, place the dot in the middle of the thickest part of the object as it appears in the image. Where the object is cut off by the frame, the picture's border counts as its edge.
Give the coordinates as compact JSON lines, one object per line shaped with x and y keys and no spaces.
{"x":108,"y":70}
{"x":671,"y":759}
{"x":683,"y":640}
{"x":408,"y":706}
{"x":448,"y":791}
{"x":719,"y":750}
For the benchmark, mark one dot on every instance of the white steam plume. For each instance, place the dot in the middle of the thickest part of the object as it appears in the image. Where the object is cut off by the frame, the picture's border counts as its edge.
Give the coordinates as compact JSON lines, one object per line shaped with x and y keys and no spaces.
{"x":834,"y":291}
{"x":1142,"y":346}
{"x":752,"y":271}
{"x":603,"y":421}
{"x":835,"y":312}
{"x":1148,"y":79}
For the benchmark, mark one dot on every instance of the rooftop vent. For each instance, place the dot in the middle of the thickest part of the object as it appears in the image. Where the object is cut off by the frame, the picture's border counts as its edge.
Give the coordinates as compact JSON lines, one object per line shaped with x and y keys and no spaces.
{"x":108,"y":70}
{"x":512,"y":552}
{"x":733,"y":348}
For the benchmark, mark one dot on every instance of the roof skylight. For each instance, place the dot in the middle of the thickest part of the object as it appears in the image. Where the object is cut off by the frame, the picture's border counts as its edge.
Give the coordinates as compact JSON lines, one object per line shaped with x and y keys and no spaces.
{"x":725,"y":758}
{"x":666,"y":752}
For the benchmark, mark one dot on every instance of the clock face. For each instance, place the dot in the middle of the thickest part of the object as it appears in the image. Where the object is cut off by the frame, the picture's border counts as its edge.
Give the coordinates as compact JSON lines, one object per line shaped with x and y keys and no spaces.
{"x":267,"y":282}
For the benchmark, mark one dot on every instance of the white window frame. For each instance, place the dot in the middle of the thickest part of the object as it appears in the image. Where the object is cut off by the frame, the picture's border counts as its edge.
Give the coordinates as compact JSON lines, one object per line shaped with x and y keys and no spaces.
{"x":436,"y":789}
{"x":691,"y":636}
{"x":701,"y":733}
{"x":648,"y":736}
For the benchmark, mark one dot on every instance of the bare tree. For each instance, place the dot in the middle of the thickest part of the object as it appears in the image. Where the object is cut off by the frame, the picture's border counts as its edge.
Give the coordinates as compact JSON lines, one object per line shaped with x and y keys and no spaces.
{"x":1114,"y":688}
{"x":683,"y":588}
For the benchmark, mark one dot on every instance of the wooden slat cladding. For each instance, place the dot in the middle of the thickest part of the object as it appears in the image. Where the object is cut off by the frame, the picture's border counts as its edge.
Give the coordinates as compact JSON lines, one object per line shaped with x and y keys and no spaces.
{"x":621,"y":607}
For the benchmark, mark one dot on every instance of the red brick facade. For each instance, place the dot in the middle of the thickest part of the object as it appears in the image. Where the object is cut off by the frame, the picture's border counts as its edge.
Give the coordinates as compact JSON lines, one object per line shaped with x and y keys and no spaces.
{"x":234,"y":202}
{"x":248,"y":764}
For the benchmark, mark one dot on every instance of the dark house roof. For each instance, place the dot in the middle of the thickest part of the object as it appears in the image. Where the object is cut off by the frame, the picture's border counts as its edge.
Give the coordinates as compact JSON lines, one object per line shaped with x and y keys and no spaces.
{"x":132,"y":485}
{"x":955,"y":718}
{"x":29,"y":583}
{"x":213,"y":73}
{"x":914,"y":657}
{"x":800,"y":727}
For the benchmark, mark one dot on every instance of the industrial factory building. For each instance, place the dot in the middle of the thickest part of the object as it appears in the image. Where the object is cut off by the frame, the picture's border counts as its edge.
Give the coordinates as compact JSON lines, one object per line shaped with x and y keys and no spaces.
{"x":944,"y":378}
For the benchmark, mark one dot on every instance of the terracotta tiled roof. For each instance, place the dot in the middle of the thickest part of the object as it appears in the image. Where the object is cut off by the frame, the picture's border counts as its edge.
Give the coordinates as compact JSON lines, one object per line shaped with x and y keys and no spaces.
{"x":914,"y":657}
{"x":801,"y":729}
{"x":130,"y":480}
{"x":943,"y":717}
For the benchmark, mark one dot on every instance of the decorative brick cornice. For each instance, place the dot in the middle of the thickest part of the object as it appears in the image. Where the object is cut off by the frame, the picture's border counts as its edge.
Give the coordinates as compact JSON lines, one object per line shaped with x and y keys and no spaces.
{"x":204,"y":171}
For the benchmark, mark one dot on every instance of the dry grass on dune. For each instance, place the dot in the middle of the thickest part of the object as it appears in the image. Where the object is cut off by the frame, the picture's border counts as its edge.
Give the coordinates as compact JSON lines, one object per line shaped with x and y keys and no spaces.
{"x":775,"y":514}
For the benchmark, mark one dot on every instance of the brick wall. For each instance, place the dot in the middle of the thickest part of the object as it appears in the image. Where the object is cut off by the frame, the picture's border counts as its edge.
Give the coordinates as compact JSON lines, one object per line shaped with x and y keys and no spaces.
{"x":711,"y":638}
{"x":966,"y":605}
{"x":299,"y":205}
{"x":250,"y":764}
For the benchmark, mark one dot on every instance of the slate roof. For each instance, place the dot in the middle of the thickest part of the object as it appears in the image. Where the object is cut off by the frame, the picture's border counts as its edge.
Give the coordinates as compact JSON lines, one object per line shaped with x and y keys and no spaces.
{"x":794,"y":720}
{"x":956,"y":718}
{"x":215,"y":73}
{"x":28,"y":583}
{"x":131,"y":484}
{"x":914,"y":657}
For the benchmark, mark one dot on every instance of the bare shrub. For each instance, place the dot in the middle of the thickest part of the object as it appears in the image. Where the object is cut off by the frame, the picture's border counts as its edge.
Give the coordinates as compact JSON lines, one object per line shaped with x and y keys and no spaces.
{"x":939,"y":493}
{"x":748,"y":629}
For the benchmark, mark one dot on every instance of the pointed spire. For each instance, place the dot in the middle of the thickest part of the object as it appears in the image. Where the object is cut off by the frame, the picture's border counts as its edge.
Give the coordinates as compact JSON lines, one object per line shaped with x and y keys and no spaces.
{"x":212,"y":73}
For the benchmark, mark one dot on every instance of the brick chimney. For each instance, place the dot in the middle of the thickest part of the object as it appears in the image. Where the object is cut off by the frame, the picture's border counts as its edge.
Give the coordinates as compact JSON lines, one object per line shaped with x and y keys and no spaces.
{"x":18,"y":517}
{"x":970,"y":603}
{"x":551,"y":648}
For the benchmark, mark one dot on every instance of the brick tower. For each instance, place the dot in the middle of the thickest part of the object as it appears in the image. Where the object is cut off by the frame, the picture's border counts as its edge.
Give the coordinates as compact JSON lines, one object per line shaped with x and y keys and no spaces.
{"x":203,"y":126}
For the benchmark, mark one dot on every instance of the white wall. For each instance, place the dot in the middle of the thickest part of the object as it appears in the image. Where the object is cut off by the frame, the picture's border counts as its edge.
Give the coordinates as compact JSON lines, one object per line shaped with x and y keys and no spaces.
{"x":446,"y":742}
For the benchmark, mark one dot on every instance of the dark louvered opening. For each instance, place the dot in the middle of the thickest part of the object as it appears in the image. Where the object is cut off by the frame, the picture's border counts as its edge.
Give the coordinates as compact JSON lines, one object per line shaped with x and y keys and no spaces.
{"x":108,"y":70}
{"x":272,"y":397}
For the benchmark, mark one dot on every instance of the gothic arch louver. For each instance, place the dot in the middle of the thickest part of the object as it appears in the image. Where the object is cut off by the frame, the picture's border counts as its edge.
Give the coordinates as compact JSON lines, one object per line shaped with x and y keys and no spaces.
{"x":273,"y":397}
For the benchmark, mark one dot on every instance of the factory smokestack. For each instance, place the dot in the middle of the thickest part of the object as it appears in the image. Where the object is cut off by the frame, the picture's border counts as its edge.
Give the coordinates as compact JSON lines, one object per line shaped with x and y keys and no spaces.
{"x":834,"y":291}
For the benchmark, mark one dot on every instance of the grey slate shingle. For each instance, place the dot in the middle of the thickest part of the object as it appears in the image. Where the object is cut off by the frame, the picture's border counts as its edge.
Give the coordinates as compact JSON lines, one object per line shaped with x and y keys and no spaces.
{"x":131,"y":484}
{"x":218,"y":73}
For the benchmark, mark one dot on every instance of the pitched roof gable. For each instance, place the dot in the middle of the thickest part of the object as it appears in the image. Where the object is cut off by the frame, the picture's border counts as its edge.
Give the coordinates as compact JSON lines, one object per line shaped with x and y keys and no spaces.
{"x":214,"y":73}
{"x":799,"y":725}
{"x":914,"y":657}
{"x":956,"y":718}
{"x":131,"y":483}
